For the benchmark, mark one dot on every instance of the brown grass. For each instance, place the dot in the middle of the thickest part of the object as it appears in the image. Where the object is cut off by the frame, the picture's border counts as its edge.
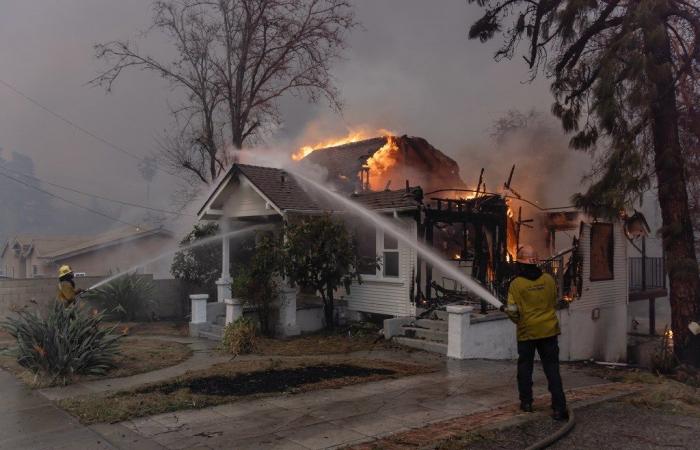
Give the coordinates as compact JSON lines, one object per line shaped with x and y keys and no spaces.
{"x":178,"y":329}
{"x":319,"y":344}
{"x":138,"y":355}
{"x":134,"y":403}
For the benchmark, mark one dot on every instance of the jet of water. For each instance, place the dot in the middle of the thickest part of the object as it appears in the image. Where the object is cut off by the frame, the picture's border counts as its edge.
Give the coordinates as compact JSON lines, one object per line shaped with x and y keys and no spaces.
{"x":385,"y":224}
{"x":205,"y":241}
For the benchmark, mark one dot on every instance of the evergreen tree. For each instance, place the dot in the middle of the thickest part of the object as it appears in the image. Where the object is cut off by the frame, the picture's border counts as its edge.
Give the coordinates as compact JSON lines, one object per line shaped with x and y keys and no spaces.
{"x":615,"y":68}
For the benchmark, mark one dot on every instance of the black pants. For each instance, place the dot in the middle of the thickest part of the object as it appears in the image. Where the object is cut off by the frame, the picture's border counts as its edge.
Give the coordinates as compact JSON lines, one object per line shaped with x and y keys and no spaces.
{"x":548,"y":349}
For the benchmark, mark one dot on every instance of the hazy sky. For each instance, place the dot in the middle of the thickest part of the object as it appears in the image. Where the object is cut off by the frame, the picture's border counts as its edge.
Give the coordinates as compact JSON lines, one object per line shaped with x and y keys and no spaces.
{"x":410,"y":68}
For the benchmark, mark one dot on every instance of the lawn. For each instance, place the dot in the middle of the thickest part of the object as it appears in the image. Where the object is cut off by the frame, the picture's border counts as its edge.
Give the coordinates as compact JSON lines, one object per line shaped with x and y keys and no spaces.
{"x":137,"y":355}
{"x":319,"y":344}
{"x":231,"y":381}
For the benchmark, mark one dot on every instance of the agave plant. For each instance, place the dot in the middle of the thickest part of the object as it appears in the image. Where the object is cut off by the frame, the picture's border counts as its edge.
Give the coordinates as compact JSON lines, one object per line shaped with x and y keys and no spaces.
{"x":129,"y":296}
{"x":66,"y":342}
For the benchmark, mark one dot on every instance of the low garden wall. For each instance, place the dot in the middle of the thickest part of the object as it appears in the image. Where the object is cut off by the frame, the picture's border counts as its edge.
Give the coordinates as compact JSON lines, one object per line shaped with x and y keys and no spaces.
{"x":170,"y":296}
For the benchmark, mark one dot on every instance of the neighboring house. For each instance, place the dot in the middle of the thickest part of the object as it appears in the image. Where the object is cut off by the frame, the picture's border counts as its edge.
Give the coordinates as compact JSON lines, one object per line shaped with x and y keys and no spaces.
{"x":30,"y":256}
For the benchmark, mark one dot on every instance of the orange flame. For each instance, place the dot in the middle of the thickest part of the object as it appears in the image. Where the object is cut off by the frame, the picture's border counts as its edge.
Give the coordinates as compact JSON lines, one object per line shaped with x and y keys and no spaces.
{"x":352,"y":136}
{"x":381,"y":162}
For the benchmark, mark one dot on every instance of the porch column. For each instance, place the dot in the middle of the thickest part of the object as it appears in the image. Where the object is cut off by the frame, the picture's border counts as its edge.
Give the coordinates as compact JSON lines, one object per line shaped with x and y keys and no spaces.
{"x":287,"y":301}
{"x":223,"y":284}
{"x":458,"y":322}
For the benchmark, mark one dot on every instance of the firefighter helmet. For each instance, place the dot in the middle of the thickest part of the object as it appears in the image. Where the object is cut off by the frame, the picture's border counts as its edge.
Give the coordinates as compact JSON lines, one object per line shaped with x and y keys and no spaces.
{"x":64,"y":270}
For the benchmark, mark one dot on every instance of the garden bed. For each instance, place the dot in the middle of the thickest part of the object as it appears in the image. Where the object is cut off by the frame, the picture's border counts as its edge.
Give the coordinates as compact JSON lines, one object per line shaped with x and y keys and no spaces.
{"x":228,"y":382}
{"x":137,"y":355}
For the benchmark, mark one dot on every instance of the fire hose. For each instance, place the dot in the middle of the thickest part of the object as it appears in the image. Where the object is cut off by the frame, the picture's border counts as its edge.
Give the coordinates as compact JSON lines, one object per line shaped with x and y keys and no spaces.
{"x":554,"y":437}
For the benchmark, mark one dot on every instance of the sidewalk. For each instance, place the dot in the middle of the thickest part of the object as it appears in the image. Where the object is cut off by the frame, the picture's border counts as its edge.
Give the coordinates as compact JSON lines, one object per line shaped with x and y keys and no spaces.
{"x":203,"y":356}
{"x":346,"y":416}
{"x":30,"y":421}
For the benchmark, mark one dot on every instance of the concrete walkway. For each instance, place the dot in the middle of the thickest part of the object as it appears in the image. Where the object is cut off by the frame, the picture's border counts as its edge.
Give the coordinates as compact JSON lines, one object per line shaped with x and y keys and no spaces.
{"x":203,"y":356}
{"x":346,"y":416}
{"x":30,"y":421}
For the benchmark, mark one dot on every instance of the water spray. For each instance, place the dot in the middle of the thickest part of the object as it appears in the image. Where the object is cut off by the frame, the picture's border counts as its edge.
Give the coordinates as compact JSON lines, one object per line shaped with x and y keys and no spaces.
{"x":195,"y":244}
{"x":385,"y":224}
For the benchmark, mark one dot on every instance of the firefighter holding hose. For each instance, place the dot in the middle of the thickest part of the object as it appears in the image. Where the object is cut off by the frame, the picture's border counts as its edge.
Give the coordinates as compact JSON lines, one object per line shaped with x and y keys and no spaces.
{"x":67,"y":292}
{"x":532,"y":298}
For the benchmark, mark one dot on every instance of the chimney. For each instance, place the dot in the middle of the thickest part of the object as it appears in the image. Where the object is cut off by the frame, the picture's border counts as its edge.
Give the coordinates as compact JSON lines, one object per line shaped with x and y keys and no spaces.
{"x":283,"y":177}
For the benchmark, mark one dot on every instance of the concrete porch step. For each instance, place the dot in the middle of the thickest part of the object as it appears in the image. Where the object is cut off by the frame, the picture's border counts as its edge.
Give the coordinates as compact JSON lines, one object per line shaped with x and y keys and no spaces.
{"x":422,"y":344}
{"x":211,"y":332}
{"x":425,"y":333}
{"x":435,"y":325}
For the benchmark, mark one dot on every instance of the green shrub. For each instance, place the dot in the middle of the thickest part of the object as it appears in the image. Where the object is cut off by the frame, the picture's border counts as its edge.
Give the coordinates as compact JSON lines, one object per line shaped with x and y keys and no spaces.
{"x":240,"y":337}
{"x":68,"y":341}
{"x":128,"y":296}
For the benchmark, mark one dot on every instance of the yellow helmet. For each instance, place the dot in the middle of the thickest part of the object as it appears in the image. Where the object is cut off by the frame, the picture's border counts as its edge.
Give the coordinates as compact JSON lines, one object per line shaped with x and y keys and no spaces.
{"x":64,"y":270}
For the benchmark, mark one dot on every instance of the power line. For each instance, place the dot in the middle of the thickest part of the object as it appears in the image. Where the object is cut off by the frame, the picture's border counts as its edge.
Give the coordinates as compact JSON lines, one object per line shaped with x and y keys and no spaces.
{"x":77,"y":191}
{"x":78,"y":127}
{"x":77,"y":205}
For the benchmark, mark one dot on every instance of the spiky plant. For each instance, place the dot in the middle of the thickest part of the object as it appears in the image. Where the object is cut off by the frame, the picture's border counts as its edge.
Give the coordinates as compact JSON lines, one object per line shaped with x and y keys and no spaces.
{"x":128,"y":296}
{"x":66,"y":341}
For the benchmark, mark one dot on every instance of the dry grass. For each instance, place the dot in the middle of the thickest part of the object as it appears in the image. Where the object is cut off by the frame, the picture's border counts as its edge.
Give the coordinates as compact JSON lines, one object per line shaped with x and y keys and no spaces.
{"x":138,"y":355}
{"x":146,"y":400}
{"x":177,"y":329}
{"x":319,"y":344}
{"x":669,"y":396}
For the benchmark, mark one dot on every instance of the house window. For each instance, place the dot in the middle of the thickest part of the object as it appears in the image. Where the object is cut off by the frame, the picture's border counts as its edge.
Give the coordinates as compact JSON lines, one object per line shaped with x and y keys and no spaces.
{"x":366,"y":240}
{"x":602,"y":252}
{"x":390,"y":255}
{"x":35,"y":270}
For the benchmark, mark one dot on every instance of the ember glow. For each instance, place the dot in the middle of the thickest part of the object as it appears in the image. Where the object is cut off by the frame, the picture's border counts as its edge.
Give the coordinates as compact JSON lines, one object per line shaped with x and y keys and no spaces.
{"x":352,"y":136}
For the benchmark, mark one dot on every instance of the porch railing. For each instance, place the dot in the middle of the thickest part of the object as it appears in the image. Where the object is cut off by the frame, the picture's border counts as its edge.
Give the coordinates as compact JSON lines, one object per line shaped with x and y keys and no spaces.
{"x":646,"y":274}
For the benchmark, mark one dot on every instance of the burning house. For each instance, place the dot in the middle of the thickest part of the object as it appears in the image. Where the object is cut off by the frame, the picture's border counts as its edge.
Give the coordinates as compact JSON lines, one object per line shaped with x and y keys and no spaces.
{"x":420,"y":188}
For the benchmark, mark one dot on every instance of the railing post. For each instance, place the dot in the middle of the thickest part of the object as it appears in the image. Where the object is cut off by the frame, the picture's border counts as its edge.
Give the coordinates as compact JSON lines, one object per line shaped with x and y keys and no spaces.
{"x":652,"y":316}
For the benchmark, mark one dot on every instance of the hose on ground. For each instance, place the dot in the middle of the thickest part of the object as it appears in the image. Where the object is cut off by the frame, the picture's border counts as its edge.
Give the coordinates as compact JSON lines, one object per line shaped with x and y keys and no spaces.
{"x":554,"y":437}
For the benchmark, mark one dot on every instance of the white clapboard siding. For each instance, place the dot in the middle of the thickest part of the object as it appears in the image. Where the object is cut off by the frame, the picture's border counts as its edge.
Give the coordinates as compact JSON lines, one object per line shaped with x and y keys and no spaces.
{"x":244,"y":201}
{"x":390,"y":297}
{"x":603,"y":293}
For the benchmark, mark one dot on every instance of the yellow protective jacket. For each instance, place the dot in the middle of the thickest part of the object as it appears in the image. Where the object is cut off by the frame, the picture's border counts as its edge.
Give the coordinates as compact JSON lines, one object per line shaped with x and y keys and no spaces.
{"x":66,"y":292}
{"x":532,"y":306}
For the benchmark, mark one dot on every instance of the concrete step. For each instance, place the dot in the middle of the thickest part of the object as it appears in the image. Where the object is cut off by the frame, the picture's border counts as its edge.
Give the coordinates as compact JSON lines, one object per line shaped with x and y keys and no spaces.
{"x":422,"y":344}
{"x":435,"y":325}
{"x":424,"y":333}
{"x":209,"y":335}
{"x":441,"y":315}
{"x":220,"y":320}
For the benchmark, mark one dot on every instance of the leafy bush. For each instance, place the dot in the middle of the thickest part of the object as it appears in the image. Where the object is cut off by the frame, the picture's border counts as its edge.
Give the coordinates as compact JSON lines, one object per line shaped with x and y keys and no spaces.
{"x":128,"y":296}
{"x":240,"y":337}
{"x":66,"y":342}
{"x":200,"y":266}
{"x":255,"y":282}
{"x":320,"y":254}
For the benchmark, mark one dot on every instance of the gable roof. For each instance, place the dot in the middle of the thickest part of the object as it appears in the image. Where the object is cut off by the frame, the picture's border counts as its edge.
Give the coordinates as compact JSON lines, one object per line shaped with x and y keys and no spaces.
{"x":286,"y":194}
{"x":279,"y":187}
{"x":58,"y":247}
{"x":345,"y":159}
{"x":402,"y":199}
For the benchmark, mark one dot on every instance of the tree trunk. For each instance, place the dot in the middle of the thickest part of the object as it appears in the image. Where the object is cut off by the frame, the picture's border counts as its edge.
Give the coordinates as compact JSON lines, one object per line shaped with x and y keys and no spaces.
{"x":328,"y":309}
{"x":677,"y":232}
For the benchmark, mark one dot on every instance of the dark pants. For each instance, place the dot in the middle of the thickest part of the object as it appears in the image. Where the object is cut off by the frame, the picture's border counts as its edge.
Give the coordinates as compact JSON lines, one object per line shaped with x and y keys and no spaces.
{"x":548,"y":349}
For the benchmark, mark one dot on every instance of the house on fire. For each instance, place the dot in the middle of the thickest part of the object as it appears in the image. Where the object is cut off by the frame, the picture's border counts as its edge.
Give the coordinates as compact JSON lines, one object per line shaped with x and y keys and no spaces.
{"x":417,"y":186}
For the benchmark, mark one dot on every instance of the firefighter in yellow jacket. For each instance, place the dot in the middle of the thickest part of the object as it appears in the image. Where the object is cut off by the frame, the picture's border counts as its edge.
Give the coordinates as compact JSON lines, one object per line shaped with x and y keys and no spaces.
{"x":67,"y":292}
{"x":532,"y":298}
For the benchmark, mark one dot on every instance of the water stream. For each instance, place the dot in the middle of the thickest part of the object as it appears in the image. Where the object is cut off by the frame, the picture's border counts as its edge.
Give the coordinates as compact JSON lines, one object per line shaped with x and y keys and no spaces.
{"x":387,"y":225}
{"x":205,"y":241}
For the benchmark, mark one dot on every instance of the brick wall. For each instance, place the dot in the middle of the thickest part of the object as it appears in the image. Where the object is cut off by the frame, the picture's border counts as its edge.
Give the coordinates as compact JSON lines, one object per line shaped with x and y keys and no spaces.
{"x":170,"y":302}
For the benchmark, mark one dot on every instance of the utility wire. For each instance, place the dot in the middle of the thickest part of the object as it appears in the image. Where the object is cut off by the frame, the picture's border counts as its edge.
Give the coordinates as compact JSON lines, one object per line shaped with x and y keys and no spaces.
{"x":77,"y":191}
{"x":77,"y":205}
{"x":78,"y":127}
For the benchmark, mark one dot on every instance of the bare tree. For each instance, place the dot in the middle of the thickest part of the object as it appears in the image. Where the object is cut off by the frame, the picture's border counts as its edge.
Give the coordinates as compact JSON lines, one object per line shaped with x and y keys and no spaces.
{"x":236,"y":59}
